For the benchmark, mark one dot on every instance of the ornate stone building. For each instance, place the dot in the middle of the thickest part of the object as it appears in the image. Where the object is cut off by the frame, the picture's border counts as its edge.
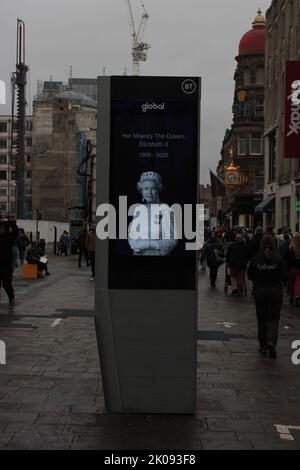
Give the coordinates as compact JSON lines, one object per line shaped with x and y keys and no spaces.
{"x":242,"y":163}
{"x":282,"y":175}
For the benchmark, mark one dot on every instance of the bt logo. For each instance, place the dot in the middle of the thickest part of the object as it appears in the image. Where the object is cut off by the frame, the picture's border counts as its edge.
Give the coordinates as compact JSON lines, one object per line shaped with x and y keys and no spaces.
{"x":2,"y":92}
{"x":188,"y":86}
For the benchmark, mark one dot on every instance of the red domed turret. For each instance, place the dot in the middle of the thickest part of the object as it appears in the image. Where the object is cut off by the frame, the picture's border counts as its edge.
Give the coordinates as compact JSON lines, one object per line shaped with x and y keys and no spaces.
{"x":254,"y":40}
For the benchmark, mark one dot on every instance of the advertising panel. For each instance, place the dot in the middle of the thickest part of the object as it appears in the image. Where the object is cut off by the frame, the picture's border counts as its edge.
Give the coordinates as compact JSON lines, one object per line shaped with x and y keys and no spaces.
{"x":292,"y":109}
{"x":154,"y":151}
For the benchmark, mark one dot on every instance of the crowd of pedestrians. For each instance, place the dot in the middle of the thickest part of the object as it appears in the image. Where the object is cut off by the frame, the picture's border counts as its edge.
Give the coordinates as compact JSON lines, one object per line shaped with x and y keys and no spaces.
{"x":15,"y":243}
{"x":270,"y":259}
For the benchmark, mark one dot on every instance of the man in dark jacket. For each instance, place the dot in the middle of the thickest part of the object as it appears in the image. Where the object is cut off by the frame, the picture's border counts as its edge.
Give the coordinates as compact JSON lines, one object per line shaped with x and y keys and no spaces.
{"x":8,"y":235}
{"x":214,"y":253}
{"x":237,"y":259}
{"x":82,"y":248}
{"x":254,"y":244}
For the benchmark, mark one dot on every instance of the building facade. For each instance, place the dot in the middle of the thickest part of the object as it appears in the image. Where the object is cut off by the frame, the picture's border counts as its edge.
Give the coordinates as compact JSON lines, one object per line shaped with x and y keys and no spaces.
{"x":242,"y":163}
{"x":8,"y":140}
{"x":63,"y":122}
{"x":282,"y":175}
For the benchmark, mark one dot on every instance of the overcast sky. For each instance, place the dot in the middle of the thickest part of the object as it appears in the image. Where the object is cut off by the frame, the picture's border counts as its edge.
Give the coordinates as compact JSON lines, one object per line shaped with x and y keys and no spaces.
{"x":187,"y":37}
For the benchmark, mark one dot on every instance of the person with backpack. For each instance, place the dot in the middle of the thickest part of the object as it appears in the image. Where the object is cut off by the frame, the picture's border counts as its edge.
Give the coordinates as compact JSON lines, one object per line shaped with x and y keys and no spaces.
{"x":267,"y":271}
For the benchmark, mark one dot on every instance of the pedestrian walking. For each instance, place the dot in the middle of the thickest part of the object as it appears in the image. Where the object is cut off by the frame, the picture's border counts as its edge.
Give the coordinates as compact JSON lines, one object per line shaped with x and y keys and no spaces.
{"x":267,"y":271}
{"x":8,"y":235}
{"x":292,"y":257}
{"x":82,"y":249}
{"x":90,"y":242}
{"x":237,"y":259}
{"x":65,"y":243}
{"x":254,"y":244}
{"x":213,"y":252}
{"x":13,"y":222}
{"x":22,"y":242}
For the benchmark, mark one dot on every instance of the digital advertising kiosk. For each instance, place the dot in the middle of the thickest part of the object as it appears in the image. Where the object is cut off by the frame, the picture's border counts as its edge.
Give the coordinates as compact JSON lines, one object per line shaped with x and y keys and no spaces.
{"x":146,"y":289}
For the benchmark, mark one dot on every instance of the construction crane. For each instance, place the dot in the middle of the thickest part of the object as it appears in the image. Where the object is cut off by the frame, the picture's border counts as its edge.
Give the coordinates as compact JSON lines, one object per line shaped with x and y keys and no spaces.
{"x":18,"y":82}
{"x":139,"y":48}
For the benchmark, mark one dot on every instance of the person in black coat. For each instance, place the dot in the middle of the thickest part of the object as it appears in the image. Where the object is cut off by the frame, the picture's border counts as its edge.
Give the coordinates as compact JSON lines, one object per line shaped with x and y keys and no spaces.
{"x":8,"y":234}
{"x":213,"y":251}
{"x":82,"y":248}
{"x":267,"y":270}
{"x":237,"y":259}
{"x":254,"y":244}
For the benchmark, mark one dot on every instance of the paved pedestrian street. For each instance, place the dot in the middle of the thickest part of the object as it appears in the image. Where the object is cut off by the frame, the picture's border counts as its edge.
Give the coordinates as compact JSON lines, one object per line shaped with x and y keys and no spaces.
{"x":51,"y":393}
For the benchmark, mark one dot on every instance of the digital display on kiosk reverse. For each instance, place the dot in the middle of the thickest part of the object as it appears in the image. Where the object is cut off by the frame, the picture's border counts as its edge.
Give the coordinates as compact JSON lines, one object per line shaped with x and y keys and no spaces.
{"x":154,"y":150}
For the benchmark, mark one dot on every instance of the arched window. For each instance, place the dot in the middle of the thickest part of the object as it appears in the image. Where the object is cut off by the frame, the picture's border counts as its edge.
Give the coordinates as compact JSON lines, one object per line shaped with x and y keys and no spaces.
{"x":246,"y":76}
{"x":260,"y":75}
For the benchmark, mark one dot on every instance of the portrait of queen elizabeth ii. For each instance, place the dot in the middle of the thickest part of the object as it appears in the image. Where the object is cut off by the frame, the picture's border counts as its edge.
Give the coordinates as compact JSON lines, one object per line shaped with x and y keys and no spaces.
{"x":152,"y":230}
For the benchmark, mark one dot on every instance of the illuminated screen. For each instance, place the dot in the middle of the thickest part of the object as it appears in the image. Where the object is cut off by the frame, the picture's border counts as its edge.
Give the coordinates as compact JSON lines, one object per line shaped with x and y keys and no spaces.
{"x":154,"y":145}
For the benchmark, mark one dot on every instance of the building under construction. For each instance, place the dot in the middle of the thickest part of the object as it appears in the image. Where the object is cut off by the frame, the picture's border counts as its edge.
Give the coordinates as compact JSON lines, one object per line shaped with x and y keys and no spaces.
{"x":64,"y":121}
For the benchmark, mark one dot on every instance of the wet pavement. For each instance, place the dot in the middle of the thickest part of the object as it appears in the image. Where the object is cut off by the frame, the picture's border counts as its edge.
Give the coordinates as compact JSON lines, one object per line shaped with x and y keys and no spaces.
{"x":51,"y":394}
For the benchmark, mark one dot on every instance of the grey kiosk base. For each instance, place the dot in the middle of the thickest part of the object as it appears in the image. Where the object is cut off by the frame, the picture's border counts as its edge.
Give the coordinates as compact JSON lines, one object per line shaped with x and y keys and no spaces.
{"x":146,"y":337}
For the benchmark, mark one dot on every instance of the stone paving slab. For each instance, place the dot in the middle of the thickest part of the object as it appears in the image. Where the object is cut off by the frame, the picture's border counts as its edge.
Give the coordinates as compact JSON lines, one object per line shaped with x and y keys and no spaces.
{"x":51,"y":394}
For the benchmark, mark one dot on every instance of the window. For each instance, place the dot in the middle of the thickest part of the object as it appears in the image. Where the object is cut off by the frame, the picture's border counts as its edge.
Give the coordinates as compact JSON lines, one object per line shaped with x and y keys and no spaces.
{"x":3,"y":192}
{"x":3,"y":206}
{"x":3,"y":160}
{"x":258,"y":184}
{"x":259,"y":106}
{"x":3,"y":144}
{"x":250,"y":144}
{"x":246,"y":76}
{"x":3,"y":175}
{"x":243,"y":144}
{"x":3,"y":126}
{"x":255,"y":143}
{"x":260,"y":76}
{"x":272,"y":156}
{"x":13,"y":175}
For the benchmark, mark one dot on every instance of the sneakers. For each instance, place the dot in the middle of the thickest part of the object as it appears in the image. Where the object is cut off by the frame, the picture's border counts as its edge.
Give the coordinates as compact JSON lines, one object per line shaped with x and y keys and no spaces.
{"x":92,"y":279}
{"x":272,"y":351}
{"x":11,"y":304}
